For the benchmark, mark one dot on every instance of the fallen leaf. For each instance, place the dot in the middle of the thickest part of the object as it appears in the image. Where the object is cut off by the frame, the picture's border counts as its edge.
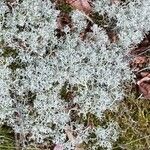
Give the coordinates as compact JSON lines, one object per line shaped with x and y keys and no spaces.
{"x":144,"y":74}
{"x":144,"y":86}
{"x":81,"y":5}
{"x":143,"y":79}
{"x":139,"y":59}
{"x":139,"y":62}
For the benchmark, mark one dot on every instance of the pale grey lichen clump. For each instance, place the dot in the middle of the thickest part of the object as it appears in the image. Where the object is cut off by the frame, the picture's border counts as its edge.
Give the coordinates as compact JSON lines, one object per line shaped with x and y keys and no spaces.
{"x":132,"y":20}
{"x":31,"y":81}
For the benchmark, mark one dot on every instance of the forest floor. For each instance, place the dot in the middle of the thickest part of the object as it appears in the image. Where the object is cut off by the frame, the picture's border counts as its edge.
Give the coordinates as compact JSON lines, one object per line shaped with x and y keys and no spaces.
{"x":133,"y":115}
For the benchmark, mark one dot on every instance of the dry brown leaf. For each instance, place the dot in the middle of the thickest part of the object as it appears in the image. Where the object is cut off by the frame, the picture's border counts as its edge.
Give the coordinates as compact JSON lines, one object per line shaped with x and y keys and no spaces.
{"x":144,"y":86}
{"x":81,"y":5}
{"x":139,"y":60}
{"x":144,"y":74}
{"x":143,"y":79}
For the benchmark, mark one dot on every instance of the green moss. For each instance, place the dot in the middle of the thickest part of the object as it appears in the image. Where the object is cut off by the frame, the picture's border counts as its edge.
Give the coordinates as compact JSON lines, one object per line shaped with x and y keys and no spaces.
{"x":31,"y":97}
{"x":91,"y":141}
{"x":99,"y":19}
{"x":103,"y":20}
{"x":9,"y":52}
{"x":7,"y":141}
{"x":133,"y":118}
{"x":67,"y":92}
{"x":88,"y":120}
{"x":63,"y":91}
{"x":17,"y":64}
{"x":93,"y":120}
{"x":1,"y":42}
{"x":64,"y":7}
{"x":108,"y":117}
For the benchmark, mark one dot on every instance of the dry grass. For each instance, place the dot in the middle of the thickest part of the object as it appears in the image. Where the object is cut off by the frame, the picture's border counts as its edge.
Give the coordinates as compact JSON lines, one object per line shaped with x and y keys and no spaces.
{"x":133,"y":118}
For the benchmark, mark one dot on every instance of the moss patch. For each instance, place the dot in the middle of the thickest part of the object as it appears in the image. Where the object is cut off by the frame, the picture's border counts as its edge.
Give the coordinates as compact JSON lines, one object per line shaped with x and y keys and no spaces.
{"x":9,"y":52}
{"x":133,"y":118}
{"x":67,"y":92}
{"x":17,"y":64}
{"x":63,"y":6}
{"x":7,"y":141}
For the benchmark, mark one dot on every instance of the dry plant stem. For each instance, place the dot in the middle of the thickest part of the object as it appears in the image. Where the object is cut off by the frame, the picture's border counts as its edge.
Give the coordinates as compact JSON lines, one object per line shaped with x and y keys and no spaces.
{"x":145,"y":51}
{"x":89,"y":18}
{"x":143,"y":69}
{"x":72,"y":139}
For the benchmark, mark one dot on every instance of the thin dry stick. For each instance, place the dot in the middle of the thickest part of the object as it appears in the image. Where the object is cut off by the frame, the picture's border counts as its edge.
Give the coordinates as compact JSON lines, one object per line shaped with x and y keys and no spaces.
{"x":143,"y":69}
{"x":146,"y":50}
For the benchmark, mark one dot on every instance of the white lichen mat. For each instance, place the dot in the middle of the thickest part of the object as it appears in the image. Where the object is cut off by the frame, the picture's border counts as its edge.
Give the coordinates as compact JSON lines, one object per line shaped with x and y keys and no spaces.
{"x":39,"y":66}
